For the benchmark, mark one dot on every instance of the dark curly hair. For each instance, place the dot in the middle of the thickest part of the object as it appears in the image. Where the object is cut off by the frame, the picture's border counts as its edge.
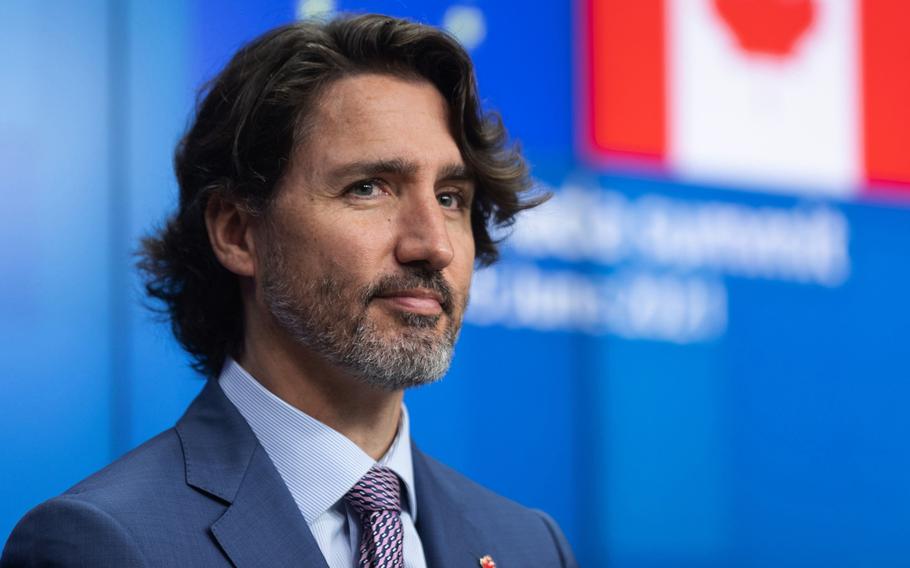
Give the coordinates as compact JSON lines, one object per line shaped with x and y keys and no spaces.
{"x":248,"y":121}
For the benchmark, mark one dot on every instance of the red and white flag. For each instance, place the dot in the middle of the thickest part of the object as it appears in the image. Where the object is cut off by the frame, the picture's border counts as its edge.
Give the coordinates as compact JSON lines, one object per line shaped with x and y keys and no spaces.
{"x":803,"y":95}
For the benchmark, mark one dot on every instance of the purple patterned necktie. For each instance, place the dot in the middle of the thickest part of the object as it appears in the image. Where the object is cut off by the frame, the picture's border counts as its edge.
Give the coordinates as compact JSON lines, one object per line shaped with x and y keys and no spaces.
{"x":377,"y":499}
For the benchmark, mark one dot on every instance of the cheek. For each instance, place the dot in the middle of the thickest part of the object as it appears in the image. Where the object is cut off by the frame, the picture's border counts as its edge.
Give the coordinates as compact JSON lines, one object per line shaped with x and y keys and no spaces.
{"x":462,"y":267}
{"x":352,"y":246}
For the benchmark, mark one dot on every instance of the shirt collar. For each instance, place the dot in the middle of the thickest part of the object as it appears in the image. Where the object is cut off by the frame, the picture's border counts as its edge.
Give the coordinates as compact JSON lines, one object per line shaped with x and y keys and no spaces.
{"x":318,"y":464}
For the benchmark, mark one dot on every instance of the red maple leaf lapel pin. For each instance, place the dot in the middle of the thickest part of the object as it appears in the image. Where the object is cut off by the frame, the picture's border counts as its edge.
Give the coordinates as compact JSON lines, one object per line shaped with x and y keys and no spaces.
{"x":487,"y":562}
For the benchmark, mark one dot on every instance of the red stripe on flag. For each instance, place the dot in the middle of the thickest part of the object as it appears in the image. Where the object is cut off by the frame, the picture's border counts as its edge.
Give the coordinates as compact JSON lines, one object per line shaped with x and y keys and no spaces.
{"x":885,"y":65}
{"x":627,"y":85}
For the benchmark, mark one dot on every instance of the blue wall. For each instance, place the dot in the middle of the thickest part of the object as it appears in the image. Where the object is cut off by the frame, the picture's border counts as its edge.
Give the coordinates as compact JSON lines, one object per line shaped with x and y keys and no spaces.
{"x":742,"y":411}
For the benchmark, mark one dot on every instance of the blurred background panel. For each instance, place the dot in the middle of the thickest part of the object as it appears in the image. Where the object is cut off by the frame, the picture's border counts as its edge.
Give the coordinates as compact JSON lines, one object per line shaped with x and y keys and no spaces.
{"x":56,"y":405}
{"x":694,"y":355}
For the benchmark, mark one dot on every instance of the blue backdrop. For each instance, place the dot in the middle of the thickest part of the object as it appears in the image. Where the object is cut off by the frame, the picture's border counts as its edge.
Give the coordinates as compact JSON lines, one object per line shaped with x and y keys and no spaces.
{"x":682,"y":375}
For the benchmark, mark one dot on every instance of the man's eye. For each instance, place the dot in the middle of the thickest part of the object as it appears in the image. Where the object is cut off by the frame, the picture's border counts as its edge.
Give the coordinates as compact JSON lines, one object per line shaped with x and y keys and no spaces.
{"x":368,"y":188}
{"x":450,"y":200}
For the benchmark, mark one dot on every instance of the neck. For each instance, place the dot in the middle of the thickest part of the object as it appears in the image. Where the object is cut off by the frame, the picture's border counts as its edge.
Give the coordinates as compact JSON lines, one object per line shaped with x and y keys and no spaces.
{"x":366,"y":415}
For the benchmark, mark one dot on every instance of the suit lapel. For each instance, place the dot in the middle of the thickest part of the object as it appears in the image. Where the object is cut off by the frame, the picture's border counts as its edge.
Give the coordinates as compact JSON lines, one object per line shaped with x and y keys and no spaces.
{"x":448,"y":537}
{"x":261,"y":525}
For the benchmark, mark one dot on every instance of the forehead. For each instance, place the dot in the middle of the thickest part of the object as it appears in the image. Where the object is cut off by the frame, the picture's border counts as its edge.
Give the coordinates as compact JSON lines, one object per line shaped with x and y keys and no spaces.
{"x":380,"y":117}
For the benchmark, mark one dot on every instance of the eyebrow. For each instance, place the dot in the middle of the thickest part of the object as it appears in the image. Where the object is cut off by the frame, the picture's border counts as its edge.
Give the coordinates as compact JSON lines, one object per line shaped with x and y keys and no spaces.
{"x":397,"y":166}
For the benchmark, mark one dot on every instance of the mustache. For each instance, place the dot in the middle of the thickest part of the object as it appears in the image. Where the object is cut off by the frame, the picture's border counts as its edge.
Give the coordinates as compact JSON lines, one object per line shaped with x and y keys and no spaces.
{"x":413,"y":278}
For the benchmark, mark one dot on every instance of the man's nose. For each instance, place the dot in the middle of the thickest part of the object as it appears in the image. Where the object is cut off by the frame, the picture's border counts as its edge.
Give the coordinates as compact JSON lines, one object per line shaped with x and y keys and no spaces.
{"x":423,"y":232}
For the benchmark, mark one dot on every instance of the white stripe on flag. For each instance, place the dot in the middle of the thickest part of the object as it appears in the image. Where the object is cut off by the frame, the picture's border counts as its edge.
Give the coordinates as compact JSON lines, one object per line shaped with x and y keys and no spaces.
{"x":740,"y":117}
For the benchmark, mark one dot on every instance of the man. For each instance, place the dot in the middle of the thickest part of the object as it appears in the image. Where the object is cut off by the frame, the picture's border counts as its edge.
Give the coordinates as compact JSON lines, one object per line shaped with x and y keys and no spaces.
{"x":336,"y":188}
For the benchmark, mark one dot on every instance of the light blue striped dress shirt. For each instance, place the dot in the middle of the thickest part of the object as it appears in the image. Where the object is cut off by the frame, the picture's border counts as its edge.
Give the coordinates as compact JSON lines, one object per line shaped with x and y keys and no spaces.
{"x":319,"y":465}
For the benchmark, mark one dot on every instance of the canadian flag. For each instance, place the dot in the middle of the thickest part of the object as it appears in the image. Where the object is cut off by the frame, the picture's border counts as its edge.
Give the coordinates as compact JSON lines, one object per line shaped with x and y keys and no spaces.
{"x":793,"y":95}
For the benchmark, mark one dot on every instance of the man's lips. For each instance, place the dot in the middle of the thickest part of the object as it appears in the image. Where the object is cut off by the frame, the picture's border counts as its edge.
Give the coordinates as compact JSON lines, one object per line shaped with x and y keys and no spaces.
{"x":417,"y":300}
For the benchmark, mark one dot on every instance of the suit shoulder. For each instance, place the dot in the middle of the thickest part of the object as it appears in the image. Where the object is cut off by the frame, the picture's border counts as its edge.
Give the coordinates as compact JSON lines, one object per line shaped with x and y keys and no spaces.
{"x":141,"y":504}
{"x":68,"y":531}
{"x":147,"y":489}
{"x":155,"y":463}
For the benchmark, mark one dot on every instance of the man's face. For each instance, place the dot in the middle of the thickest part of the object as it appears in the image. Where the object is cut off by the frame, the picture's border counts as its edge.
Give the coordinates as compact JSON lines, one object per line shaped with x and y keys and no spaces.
{"x":368,"y":249}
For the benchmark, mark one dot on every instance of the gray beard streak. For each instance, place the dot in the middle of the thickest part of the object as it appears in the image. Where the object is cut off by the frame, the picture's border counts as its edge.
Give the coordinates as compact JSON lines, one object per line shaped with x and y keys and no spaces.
{"x":320,"y":317}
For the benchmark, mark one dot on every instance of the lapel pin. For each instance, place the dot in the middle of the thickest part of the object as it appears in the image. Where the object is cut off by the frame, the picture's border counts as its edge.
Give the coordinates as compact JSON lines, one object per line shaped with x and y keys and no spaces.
{"x":487,"y":562}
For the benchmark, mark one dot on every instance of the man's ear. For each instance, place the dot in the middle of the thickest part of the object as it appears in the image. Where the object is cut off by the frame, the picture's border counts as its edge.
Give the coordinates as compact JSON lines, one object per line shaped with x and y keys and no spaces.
{"x":231,"y":235}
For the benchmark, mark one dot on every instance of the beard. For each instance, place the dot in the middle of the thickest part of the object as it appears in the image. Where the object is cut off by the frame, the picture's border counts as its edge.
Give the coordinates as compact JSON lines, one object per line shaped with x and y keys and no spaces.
{"x":329,"y":316}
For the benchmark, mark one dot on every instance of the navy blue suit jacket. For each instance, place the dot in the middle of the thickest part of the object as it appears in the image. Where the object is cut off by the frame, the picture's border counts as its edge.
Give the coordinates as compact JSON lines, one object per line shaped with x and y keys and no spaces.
{"x":206,"y":494}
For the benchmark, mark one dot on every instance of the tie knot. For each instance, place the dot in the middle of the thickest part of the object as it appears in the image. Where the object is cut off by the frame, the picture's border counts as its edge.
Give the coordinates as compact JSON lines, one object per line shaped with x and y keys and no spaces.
{"x":378,"y":490}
